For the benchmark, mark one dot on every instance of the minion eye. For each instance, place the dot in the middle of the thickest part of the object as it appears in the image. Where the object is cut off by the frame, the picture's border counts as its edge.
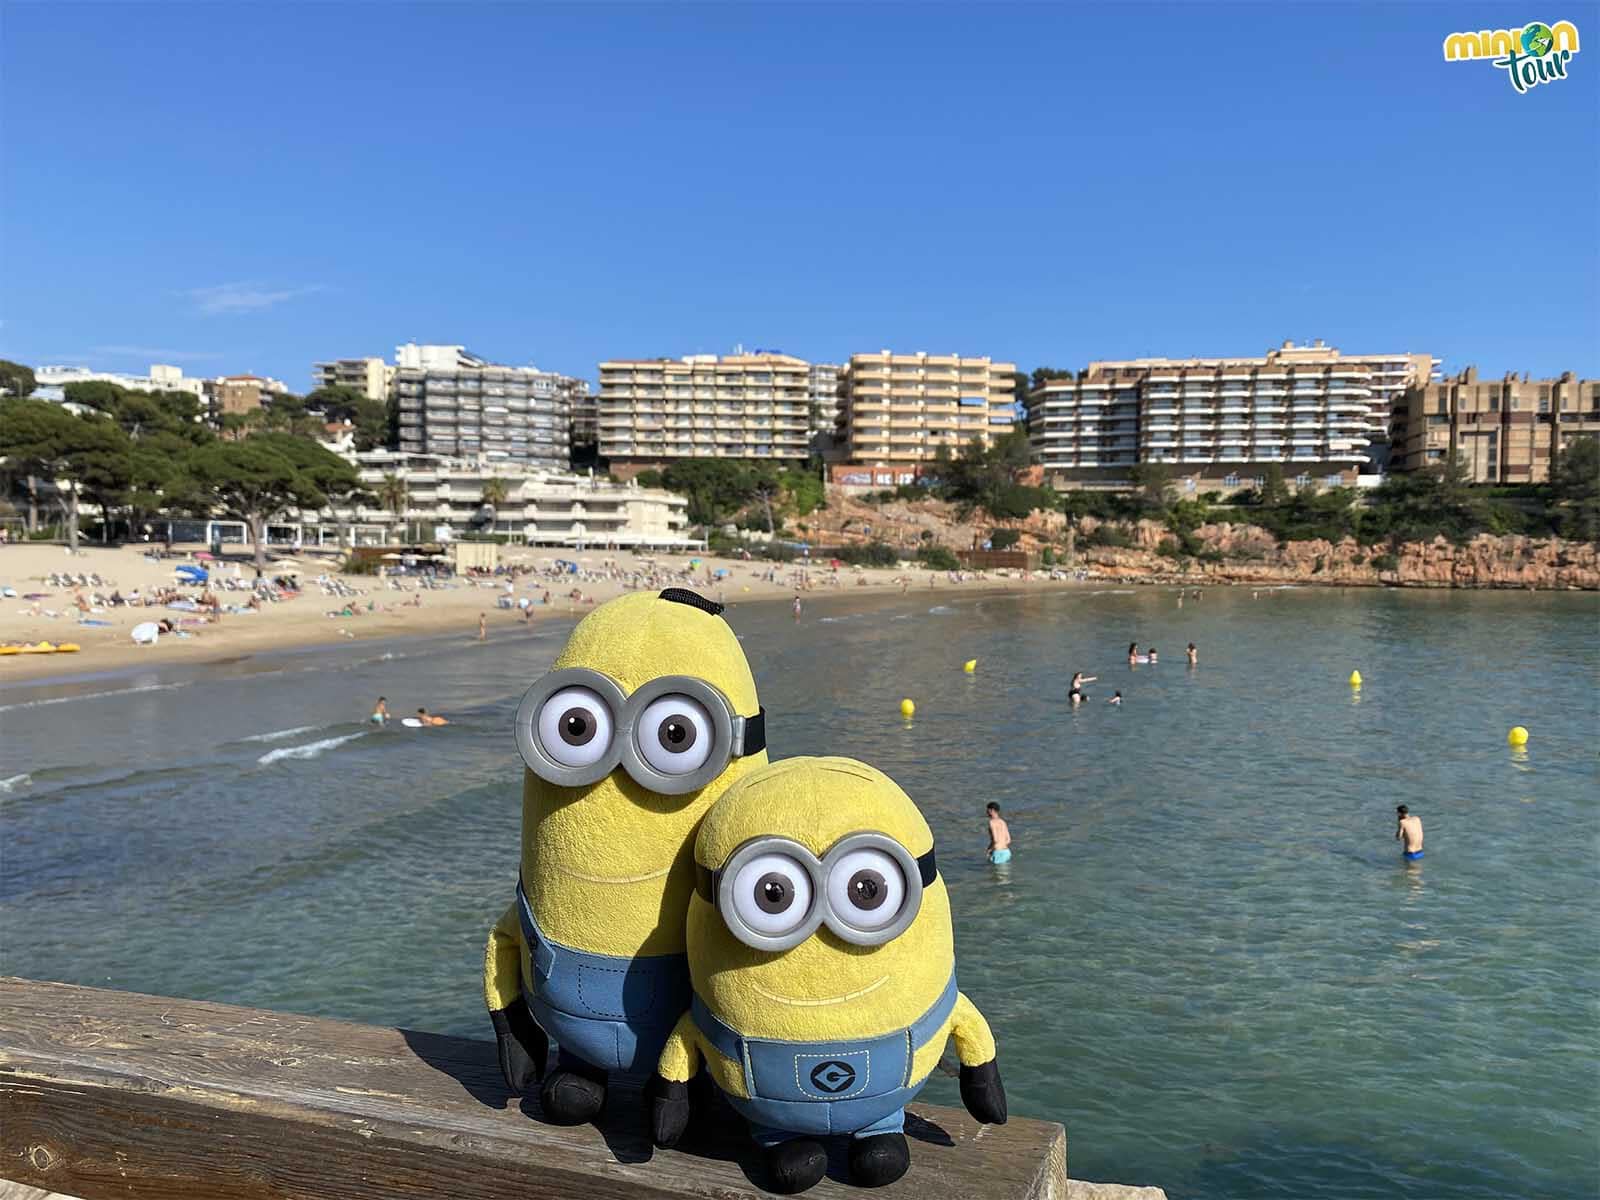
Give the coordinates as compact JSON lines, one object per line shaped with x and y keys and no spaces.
{"x":675,"y":735}
{"x":575,"y":727}
{"x":772,"y":894}
{"x":866,"y":889}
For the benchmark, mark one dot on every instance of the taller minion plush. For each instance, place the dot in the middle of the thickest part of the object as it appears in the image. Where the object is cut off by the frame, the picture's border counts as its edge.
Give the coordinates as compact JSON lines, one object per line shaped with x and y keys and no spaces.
{"x":647,"y":715}
{"x":823,"y":964}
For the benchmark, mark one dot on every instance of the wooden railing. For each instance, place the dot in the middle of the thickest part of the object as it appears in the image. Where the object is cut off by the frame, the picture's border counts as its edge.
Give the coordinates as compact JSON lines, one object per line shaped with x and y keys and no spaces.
{"x":114,"y":1094}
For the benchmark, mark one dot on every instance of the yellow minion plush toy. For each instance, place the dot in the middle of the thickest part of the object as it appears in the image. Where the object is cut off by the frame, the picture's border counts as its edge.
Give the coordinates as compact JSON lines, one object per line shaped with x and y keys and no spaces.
{"x":823,"y":965}
{"x":647,"y":715}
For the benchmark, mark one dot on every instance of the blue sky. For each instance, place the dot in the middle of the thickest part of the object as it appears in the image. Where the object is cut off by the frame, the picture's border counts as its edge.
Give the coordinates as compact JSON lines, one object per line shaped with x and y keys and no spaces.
{"x":239,"y":187}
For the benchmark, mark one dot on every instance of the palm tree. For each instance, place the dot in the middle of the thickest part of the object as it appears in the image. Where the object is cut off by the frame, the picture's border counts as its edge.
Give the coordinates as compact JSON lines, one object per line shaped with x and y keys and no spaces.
{"x":495,"y":492}
{"x":392,"y":494}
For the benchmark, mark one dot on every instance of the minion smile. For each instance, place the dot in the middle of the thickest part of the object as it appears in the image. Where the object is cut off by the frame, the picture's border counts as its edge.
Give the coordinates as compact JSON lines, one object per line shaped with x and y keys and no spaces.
{"x":613,"y":878}
{"x":871,"y":987}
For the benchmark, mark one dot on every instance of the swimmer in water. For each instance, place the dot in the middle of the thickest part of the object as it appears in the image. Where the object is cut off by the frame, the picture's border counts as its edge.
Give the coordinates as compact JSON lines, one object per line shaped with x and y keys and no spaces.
{"x":1116,"y":698}
{"x":999,"y":835}
{"x":1408,"y":833}
{"x":1194,"y":655}
{"x":380,"y":711}
{"x":422,"y":715}
{"x":1152,"y":654}
{"x":1075,"y":694}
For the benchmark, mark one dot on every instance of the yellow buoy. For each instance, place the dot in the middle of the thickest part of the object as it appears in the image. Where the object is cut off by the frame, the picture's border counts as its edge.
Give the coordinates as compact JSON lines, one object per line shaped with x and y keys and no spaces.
{"x":970,"y":665}
{"x":1355,"y":678}
{"x":907,"y":709}
{"x":1518,"y":736}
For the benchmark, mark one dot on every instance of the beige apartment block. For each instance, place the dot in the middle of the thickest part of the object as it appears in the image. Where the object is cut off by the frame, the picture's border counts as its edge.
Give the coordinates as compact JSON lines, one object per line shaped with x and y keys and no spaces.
{"x":900,"y":408}
{"x":1322,"y":416}
{"x":1506,"y":430}
{"x":749,"y":406}
{"x":372,"y":377}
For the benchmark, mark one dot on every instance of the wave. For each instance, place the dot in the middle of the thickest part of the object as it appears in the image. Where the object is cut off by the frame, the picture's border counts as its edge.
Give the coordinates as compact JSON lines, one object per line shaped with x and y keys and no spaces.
{"x":149,"y":687}
{"x":309,"y":750}
{"x":280,"y":734}
{"x":941,"y":610}
{"x":1113,"y":592}
{"x":16,"y":781}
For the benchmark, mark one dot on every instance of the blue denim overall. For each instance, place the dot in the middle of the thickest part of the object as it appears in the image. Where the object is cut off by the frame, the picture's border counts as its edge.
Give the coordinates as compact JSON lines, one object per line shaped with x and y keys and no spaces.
{"x":810,"y":1089}
{"x":610,"y":1011}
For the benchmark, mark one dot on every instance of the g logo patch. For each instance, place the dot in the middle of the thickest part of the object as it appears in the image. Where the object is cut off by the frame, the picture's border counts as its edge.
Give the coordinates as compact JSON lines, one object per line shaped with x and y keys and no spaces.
{"x":832,"y":1077}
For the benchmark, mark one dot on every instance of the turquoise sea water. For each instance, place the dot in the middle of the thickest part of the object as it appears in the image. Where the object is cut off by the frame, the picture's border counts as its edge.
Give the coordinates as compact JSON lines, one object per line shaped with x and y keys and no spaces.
{"x":1206,"y":957}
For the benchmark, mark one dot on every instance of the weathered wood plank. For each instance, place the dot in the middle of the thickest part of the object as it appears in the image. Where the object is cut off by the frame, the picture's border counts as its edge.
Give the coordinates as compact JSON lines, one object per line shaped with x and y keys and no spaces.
{"x":113,"y":1094}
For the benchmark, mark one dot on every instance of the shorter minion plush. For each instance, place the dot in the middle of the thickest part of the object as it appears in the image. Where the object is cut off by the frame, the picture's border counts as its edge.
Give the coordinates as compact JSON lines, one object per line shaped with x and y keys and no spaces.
{"x":823,"y":968}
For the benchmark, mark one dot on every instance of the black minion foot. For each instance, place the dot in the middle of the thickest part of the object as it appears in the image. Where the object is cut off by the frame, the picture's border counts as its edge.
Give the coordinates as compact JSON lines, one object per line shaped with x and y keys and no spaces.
{"x":879,"y":1160}
{"x":796,"y":1165}
{"x":570,"y":1098}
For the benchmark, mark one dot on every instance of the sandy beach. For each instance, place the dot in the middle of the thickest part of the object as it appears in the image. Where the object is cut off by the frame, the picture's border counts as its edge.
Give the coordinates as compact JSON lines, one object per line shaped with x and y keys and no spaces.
{"x":379,"y":608}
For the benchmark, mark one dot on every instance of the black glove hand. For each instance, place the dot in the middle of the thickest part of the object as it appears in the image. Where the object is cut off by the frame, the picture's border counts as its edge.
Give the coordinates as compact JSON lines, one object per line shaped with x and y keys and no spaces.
{"x":522,"y":1044}
{"x":669,"y":1110}
{"x":983,"y":1093}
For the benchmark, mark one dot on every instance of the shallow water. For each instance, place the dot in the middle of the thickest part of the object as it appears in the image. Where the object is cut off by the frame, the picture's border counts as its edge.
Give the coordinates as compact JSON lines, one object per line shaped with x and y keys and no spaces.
{"x":1206,"y":957}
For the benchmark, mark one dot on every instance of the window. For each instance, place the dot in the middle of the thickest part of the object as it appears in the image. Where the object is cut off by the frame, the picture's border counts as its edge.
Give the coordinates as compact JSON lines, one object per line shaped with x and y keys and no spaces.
{"x":1513,"y":404}
{"x":1494,"y":404}
{"x":1333,"y":480}
{"x":1230,"y":480}
{"x":1302,"y":480}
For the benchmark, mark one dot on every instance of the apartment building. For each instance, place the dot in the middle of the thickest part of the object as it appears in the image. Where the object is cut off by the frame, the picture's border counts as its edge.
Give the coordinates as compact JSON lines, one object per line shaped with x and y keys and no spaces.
{"x":457,"y":405}
{"x":242,"y":394}
{"x":1322,"y":416}
{"x":540,"y":508}
{"x":372,"y":377}
{"x":49,"y":380}
{"x":900,"y":408}
{"x":583,"y":412}
{"x":750,"y":406}
{"x":1506,"y":430}
{"x":824,"y":414}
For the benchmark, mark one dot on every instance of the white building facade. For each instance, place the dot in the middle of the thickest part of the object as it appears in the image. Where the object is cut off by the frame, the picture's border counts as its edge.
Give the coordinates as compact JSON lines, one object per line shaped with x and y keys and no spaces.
{"x":539,"y":508}
{"x":454,"y":404}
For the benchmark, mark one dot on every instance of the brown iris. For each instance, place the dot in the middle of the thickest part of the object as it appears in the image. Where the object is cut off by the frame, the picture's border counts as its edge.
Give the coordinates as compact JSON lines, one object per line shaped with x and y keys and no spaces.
{"x":577,"y":726}
{"x":867,"y":890}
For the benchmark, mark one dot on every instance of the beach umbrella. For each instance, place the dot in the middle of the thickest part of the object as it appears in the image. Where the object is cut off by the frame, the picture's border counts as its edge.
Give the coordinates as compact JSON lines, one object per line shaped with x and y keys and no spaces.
{"x":394,"y":557}
{"x":204,"y":555}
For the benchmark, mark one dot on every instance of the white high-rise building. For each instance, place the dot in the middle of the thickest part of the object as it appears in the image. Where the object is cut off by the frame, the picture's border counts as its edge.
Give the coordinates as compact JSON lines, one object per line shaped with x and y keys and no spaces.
{"x":458,"y":405}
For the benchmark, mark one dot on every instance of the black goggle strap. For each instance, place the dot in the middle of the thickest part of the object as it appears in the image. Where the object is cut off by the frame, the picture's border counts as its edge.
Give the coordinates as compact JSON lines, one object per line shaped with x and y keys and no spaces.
{"x":750,"y":734}
{"x":708,"y":882}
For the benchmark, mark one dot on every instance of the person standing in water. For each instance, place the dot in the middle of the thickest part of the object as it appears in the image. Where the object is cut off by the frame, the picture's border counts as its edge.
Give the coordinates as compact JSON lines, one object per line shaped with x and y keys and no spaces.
{"x":797,"y":606}
{"x":1075,"y":693}
{"x":1408,"y":833}
{"x":483,"y":627}
{"x":1133,"y":653}
{"x":999,"y":835}
{"x":1194,"y":655}
{"x":380,"y":711}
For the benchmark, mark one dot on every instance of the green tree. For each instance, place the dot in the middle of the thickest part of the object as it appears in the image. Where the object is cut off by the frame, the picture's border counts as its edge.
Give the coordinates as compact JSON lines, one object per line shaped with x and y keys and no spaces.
{"x":341,"y":403}
{"x":16,"y":379}
{"x":1153,"y":480}
{"x":1004,"y":539}
{"x":264,"y":477}
{"x":495,"y":492}
{"x":715,"y":487}
{"x":1575,"y":489}
{"x":393,"y":494}
{"x":1045,"y":374}
{"x":1274,"y":490}
{"x":45,"y":440}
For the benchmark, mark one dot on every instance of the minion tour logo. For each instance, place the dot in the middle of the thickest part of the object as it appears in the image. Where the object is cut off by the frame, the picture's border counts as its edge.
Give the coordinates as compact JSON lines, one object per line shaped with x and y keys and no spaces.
{"x":1537,"y":53}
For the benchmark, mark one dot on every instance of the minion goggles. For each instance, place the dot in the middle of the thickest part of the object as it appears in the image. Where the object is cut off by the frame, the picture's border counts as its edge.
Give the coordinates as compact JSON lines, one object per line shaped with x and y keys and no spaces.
{"x":773,"y":893}
{"x":674,"y":735}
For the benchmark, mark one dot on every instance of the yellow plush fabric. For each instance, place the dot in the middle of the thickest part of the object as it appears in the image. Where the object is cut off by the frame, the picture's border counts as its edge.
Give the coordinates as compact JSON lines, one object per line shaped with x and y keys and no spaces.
{"x":502,"y":962}
{"x":609,"y":867}
{"x":824,"y":988}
